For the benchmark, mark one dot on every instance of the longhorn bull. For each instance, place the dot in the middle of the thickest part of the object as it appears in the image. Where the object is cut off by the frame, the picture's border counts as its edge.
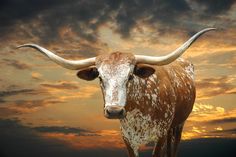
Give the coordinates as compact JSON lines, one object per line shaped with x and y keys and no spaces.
{"x":151,"y":96}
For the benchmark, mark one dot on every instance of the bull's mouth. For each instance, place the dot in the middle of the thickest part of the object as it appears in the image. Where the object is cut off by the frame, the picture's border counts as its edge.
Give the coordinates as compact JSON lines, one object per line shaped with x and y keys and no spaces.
{"x":114,"y":112}
{"x":114,"y":117}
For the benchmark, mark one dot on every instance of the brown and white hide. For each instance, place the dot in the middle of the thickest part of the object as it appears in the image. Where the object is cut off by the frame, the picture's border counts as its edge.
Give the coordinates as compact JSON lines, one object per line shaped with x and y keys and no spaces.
{"x":158,"y":105}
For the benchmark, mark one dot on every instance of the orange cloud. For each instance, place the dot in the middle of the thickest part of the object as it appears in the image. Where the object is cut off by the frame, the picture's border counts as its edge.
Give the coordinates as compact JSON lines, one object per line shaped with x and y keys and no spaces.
{"x":209,"y":87}
{"x":107,"y":139}
{"x":36,"y":75}
{"x":200,"y":123}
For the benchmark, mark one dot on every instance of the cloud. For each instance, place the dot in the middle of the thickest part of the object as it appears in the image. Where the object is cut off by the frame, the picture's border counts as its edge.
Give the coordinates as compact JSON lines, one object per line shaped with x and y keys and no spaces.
{"x":224,"y":120}
{"x":7,"y":93}
{"x":223,"y":133}
{"x":79,"y":15}
{"x":209,"y":87}
{"x":16,"y":64}
{"x":18,"y":107}
{"x":20,"y":140}
{"x":5,"y":112}
{"x":104,"y":139}
{"x":224,"y":56}
{"x":27,"y":106}
{"x":207,"y":113}
{"x":61,"y":85}
{"x":228,"y":131}
{"x":65,"y":130}
{"x":153,"y":25}
{"x":206,"y":119}
{"x":14,"y":92}
{"x":73,"y":91}
{"x":215,"y":6}
{"x":84,"y":18}
{"x":36,"y":76}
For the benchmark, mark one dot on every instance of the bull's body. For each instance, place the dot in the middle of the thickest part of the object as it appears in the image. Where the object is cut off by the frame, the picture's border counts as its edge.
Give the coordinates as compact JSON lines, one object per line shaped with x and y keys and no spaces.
{"x":152,"y":96}
{"x":157,"y":107}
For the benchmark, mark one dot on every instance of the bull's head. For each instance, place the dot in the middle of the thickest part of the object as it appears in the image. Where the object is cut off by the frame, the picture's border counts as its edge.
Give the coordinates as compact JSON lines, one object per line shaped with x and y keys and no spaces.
{"x":115,"y":71}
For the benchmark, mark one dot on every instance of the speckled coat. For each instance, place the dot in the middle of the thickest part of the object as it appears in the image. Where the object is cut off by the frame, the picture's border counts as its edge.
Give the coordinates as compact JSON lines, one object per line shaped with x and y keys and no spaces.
{"x":157,"y":107}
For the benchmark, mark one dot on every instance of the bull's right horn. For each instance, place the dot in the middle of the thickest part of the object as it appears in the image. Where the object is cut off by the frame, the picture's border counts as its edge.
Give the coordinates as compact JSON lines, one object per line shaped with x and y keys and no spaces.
{"x":163,"y":60}
{"x":69,"y":64}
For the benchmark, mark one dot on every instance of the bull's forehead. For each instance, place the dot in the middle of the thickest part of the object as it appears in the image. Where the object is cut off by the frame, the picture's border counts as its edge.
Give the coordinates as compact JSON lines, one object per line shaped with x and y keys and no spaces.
{"x":114,"y":64}
{"x":114,"y":70}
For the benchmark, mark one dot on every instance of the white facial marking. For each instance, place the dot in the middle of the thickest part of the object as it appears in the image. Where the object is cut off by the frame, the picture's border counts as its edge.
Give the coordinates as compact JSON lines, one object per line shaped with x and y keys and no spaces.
{"x":114,"y":82}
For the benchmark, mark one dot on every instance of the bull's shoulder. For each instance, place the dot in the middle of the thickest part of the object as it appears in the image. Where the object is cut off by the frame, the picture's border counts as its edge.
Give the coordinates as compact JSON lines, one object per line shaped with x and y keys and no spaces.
{"x":185,"y":65}
{"x":179,"y":66}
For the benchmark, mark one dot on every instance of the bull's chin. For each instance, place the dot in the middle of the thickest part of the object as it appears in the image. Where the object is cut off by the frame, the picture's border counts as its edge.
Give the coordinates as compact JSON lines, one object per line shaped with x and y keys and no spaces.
{"x":114,"y":117}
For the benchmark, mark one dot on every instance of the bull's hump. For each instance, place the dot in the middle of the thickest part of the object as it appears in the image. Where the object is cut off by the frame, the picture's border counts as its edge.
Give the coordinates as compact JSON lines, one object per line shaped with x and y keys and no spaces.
{"x":187,"y":66}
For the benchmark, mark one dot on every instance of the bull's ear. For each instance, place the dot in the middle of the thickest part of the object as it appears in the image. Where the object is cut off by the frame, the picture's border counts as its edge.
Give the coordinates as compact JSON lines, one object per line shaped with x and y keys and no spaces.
{"x":143,"y":71}
{"x":88,"y":74}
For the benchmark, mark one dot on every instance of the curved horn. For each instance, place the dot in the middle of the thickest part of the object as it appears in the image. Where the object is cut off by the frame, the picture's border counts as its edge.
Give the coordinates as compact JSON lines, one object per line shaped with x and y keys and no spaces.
{"x":163,"y":60}
{"x":69,"y":64}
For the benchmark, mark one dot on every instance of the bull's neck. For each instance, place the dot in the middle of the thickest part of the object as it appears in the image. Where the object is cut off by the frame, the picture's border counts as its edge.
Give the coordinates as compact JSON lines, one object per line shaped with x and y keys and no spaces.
{"x":136,"y":93}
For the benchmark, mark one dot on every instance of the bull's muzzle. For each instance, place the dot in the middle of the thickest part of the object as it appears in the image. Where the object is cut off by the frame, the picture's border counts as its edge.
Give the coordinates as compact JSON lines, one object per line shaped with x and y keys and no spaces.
{"x":114,"y":112}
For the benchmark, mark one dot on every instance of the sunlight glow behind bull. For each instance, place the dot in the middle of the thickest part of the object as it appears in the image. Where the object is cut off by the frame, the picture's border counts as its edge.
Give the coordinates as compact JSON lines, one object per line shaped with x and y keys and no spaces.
{"x":152,"y":96}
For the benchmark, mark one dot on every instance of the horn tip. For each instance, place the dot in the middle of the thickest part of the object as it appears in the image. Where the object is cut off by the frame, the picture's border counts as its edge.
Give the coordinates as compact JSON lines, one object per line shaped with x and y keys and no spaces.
{"x":25,"y":45}
{"x":210,"y":29}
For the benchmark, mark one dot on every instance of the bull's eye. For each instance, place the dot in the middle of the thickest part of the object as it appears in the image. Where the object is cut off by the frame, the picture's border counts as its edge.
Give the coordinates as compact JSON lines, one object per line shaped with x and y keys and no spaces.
{"x":131,"y":77}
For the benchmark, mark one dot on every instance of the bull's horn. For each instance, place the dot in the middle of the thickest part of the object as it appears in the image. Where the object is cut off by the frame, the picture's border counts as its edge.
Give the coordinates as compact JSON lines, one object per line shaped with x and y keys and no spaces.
{"x":163,"y":60}
{"x":69,"y":64}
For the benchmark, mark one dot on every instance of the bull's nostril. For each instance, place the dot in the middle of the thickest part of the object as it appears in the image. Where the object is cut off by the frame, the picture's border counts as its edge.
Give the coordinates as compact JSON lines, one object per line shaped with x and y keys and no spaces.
{"x":108,"y":112}
{"x":121,"y":112}
{"x":114,"y":112}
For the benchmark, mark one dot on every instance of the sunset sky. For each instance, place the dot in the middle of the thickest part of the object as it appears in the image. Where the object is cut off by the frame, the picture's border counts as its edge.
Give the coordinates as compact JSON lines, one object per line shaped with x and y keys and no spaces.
{"x":45,"y":109}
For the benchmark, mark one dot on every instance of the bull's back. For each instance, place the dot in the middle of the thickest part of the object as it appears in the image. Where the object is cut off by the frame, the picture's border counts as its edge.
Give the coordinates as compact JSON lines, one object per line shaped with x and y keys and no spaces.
{"x":178,"y":78}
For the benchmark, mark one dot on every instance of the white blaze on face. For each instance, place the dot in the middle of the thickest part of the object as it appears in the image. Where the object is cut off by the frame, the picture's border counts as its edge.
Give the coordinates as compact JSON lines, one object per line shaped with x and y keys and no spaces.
{"x":113,"y":82}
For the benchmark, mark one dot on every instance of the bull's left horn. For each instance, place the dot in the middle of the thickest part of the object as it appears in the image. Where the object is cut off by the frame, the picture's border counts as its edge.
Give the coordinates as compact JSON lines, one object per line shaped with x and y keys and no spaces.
{"x":69,"y":64}
{"x":163,"y":60}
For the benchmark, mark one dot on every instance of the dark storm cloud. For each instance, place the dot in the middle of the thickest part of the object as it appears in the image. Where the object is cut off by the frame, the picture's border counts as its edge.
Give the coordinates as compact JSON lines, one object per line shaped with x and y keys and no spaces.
{"x":227,"y":131}
{"x":65,"y":130}
{"x":216,"y":6}
{"x":62,"y":85}
{"x":16,"y":64}
{"x":219,"y":58}
{"x":223,"y":133}
{"x":14,"y":92}
{"x":214,"y":82}
{"x":161,"y":11}
{"x":18,"y":107}
{"x":50,"y":15}
{"x":217,"y":86}
{"x":31,"y":104}
{"x":6,"y":93}
{"x":19,"y":140}
{"x":5,"y":111}
{"x":222,"y":121}
{"x":45,"y":18}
